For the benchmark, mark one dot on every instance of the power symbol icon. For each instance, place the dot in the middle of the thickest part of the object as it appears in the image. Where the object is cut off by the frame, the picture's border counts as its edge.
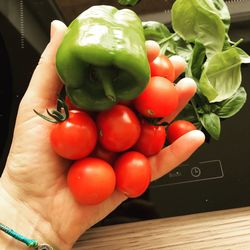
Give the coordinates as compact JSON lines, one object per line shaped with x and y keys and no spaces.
{"x":195,"y":172}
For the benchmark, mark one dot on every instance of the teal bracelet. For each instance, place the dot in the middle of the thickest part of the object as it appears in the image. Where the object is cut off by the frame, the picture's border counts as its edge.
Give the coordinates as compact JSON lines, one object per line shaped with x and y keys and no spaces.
{"x":30,"y":243}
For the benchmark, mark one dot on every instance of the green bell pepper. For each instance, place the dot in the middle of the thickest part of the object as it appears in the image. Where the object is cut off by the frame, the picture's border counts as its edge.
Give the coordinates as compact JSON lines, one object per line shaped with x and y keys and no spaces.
{"x":102,"y":58}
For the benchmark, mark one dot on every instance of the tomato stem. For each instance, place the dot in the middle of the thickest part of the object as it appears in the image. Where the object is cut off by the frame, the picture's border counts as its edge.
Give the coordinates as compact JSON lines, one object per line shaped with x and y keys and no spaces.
{"x":60,"y":114}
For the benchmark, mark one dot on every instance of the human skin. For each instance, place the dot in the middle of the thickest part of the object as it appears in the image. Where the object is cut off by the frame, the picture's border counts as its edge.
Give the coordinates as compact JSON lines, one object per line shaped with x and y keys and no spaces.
{"x":34,"y":198}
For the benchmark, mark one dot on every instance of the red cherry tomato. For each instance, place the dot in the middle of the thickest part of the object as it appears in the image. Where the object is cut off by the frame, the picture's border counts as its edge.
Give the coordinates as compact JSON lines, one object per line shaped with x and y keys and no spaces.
{"x":75,"y":137}
{"x":159,"y":99}
{"x":153,"y":50}
{"x":162,"y":66}
{"x":133,"y":174}
{"x":91,"y":180}
{"x":179,"y":64}
{"x":104,"y":154}
{"x":119,"y":128}
{"x":178,"y":128}
{"x":151,"y":140}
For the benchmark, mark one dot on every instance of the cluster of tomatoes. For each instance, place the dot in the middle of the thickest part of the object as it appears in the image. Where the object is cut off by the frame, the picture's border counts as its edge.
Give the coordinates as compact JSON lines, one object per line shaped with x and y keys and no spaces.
{"x":110,"y":148}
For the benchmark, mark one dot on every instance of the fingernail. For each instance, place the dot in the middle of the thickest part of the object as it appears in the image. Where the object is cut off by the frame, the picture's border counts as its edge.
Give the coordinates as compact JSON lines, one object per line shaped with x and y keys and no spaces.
{"x":197,"y":134}
{"x":187,"y":81}
{"x":57,"y":27}
{"x":52,"y":29}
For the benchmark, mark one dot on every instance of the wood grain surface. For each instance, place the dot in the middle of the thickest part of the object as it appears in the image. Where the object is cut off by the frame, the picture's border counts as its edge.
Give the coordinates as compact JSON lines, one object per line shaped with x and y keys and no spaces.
{"x":223,"y":230}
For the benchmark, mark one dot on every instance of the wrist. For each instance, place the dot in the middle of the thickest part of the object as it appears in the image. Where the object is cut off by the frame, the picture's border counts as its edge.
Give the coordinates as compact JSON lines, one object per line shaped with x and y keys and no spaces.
{"x":18,"y":216}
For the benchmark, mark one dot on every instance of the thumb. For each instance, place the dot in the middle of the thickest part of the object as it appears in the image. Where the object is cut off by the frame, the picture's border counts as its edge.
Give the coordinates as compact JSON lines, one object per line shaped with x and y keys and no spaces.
{"x":45,"y":83}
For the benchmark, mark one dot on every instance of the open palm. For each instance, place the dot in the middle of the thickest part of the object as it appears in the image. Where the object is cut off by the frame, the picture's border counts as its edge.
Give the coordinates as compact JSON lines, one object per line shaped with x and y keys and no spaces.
{"x":36,"y":176}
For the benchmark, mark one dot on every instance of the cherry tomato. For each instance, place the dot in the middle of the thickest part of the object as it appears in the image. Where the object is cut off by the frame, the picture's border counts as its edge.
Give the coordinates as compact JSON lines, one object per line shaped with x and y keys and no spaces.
{"x":153,"y":50}
{"x":104,"y":154}
{"x":119,"y":128}
{"x":178,"y":128}
{"x":133,"y":173}
{"x":91,"y":180}
{"x":151,"y":140}
{"x":75,"y":137}
{"x":179,"y":64}
{"x":159,"y":99}
{"x":162,"y":66}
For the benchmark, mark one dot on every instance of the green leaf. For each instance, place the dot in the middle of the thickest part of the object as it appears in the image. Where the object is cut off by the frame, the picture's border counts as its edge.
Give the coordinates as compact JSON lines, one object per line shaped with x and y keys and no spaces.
{"x":155,"y":31}
{"x":211,"y":122}
{"x":220,"y":8}
{"x":171,"y":43}
{"x":231,"y":106}
{"x":227,"y":44}
{"x":194,"y":22}
{"x":188,"y":114}
{"x":182,"y":48}
{"x":128,"y":2}
{"x":196,"y":62}
{"x":221,"y":76}
{"x":168,"y":48}
{"x":245,"y":58}
{"x":175,"y":45}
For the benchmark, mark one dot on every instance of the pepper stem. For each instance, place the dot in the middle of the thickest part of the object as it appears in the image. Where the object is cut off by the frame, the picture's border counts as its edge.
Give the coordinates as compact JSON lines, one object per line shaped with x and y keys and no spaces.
{"x":105,"y":76}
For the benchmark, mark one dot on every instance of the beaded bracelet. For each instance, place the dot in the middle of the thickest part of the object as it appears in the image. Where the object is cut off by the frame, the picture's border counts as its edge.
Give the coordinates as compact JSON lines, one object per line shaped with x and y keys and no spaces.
{"x":30,"y":243}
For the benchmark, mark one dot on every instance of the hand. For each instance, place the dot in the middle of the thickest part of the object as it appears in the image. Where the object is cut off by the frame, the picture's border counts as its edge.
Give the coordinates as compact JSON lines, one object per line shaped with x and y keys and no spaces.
{"x":33,"y":185}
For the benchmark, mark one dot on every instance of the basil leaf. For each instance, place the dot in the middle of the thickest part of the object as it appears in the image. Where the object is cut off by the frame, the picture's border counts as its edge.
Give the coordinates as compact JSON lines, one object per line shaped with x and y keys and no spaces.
{"x":220,"y":8}
{"x":188,"y":114}
{"x":182,"y":48}
{"x":223,"y":12}
{"x":197,"y":59}
{"x":128,"y":2}
{"x":245,"y":58}
{"x":231,"y":106}
{"x":155,"y":31}
{"x":171,"y":43}
{"x":211,"y":122}
{"x":194,"y":22}
{"x":168,"y":46}
{"x":221,"y":76}
{"x":175,"y":45}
